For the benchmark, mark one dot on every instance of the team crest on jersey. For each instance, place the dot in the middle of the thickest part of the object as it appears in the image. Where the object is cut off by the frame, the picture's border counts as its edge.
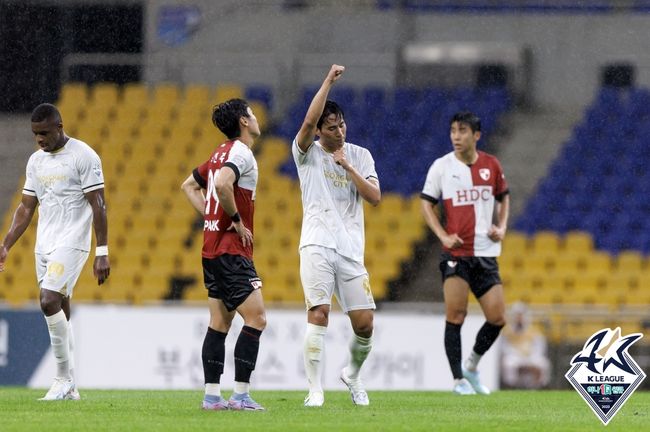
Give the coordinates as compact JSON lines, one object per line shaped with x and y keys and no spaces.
{"x":97,"y":169}
{"x":484,"y":173}
{"x":604,"y":374}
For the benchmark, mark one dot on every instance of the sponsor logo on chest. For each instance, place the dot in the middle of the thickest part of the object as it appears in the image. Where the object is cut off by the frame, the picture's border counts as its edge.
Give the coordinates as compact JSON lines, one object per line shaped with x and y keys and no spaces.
{"x":472,"y":195}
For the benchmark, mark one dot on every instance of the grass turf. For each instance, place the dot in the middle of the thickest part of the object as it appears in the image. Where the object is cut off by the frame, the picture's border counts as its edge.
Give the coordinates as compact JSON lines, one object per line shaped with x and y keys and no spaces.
{"x":131,"y":410}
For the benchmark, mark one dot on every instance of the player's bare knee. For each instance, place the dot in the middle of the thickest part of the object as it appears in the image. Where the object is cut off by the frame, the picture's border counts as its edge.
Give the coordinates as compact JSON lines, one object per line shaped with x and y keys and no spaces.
{"x":257,"y":321}
{"x":363,"y":325}
{"x":499,"y":320}
{"x":49,"y":307}
{"x":364,"y":330}
{"x":318,"y":316}
{"x":50,"y":302}
{"x":456,"y":316}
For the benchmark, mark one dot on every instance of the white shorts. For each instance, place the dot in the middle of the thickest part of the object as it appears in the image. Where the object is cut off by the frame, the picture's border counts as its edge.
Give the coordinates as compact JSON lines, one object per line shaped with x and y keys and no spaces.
{"x":324,"y":272}
{"x":59,"y":270}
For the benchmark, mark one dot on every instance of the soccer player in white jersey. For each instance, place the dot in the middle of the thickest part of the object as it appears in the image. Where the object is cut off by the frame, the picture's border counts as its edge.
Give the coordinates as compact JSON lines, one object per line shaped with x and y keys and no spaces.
{"x":469,"y":184}
{"x":64,"y":179}
{"x":335,"y":178}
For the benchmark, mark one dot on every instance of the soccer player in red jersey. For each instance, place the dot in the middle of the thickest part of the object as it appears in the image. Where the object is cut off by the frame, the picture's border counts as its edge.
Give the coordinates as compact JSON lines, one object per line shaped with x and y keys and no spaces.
{"x":469,"y":184}
{"x":228,"y":179}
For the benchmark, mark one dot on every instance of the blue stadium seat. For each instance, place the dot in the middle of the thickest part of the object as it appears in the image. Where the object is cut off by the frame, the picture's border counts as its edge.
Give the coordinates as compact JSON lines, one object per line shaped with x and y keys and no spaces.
{"x":586,"y":189}
{"x":260,"y":93}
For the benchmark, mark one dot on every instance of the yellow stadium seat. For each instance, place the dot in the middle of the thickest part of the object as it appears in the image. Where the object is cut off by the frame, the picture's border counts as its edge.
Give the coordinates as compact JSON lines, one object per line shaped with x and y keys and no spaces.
{"x":104,"y":93}
{"x":578,"y":241}
{"x":135,"y":95}
{"x":197,"y":95}
{"x":166,"y":94}
{"x":515,"y":243}
{"x":537,"y":262}
{"x":629,"y":261}
{"x":545,"y":241}
{"x":74,"y":92}
{"x":598,"y":263}
{"x":224,"y":92}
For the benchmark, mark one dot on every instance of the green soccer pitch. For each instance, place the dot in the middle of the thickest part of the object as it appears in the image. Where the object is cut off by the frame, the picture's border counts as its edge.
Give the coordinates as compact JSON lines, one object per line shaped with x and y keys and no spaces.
{"x":131,"y":410}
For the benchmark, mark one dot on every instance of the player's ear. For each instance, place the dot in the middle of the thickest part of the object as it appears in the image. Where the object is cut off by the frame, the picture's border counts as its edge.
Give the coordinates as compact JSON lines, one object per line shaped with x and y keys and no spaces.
{"x":243,"y":120}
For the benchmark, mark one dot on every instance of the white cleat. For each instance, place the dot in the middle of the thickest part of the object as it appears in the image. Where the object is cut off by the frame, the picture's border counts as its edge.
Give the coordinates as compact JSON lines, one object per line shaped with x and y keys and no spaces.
{"x":73,"y":394}
{"x":315,"y":399}
{"x":60,"y":389}
{"x":464,"y":388}
{"x":472,"y":378}
{"x":357,"y":391}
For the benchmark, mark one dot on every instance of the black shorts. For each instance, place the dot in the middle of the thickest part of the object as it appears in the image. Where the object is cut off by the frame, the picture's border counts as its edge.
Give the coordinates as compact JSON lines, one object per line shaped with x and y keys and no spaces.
{"x":230,"y":278}
{"x":481,"y":273}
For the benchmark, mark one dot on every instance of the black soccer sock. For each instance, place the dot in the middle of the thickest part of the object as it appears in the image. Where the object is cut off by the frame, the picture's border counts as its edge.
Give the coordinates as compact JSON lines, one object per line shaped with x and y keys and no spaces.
{"x":453,"y":348}
{"x":246,"y":349}
{"x":213,"y":355}
{"x":486,"y":337}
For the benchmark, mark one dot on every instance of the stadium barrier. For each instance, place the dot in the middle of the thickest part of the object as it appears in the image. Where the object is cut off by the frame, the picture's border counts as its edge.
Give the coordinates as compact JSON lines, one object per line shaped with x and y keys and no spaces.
{"x":122,"y":347}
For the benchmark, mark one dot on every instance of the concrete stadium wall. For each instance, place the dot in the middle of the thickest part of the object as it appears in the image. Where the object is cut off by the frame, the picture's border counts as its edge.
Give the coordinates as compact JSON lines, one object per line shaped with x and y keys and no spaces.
{"x":262,"y":42}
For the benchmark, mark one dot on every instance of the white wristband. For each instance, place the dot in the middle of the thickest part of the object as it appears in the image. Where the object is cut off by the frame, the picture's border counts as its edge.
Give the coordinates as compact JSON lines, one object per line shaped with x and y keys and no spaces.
{"x":101,"y":251}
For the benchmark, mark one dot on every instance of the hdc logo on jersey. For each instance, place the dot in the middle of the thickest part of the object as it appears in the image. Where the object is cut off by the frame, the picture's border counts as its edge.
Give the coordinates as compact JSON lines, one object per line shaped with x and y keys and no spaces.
{"x":604,"y":373}
{"x":470,"y":196}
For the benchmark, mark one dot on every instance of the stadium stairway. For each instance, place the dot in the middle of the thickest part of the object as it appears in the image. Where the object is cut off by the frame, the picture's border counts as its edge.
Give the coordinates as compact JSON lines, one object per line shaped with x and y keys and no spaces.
{"x":18,"y":144}
{"x":526,"y":153}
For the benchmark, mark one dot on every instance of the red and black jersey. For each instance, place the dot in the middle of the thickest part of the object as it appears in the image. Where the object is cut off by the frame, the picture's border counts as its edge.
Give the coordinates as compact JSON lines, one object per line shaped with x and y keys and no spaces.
{"x":219,"y":237}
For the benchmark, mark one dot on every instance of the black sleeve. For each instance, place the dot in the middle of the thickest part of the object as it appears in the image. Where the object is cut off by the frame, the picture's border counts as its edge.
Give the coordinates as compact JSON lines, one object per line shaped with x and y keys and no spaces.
{"x":200,"y":180}
{"x":431,"y":199}
{"x":234,"y":168}
{"x":500,"y":196}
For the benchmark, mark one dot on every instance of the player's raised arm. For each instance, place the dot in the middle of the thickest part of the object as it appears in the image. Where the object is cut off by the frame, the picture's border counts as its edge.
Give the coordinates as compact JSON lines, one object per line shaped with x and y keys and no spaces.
{"x":22,"y":218}
{"x":308,"y":129}
{"x":101,"y":265}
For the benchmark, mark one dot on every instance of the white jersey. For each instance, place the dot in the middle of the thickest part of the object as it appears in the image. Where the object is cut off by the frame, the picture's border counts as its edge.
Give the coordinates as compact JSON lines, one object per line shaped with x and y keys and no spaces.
{"x":331,"y":204}
{"x":59,"y":181}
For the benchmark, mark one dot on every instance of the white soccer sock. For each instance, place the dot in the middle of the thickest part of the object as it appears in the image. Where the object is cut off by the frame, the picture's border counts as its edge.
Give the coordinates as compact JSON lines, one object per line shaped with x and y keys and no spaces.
{"x":213,"y":389}
{"x":472,"y":361}
{"x":242,"y":387}
{"x":313,"y":355}
{"x":57,"y":325}
{"x":71,"y":348}
{"x":359,"y":349}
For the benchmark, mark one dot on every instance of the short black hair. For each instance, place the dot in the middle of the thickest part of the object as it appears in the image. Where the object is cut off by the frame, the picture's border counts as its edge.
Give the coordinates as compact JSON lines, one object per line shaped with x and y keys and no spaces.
{"x":331,"y":107}
{"x":469,"y":118}
{"x":45,"y":111}
{"x":226,"y":115}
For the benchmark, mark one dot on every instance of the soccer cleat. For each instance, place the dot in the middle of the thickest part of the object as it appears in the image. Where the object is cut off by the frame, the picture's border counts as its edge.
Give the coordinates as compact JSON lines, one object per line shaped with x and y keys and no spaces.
{"x":472,"y":377}
{"x":464,"y":388}
{"x":59,"y":390}
{"x":214,"y":403}
{"x":315,"y":399}
{"x":243,"y":402}
{"x":357,"y":392}
{"x":73,"y":394}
